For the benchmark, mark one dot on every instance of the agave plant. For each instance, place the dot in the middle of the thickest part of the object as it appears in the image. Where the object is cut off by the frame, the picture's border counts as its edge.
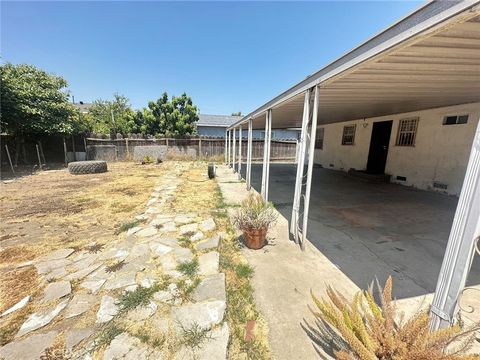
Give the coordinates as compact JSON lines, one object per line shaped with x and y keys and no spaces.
{"x":375,"y":331}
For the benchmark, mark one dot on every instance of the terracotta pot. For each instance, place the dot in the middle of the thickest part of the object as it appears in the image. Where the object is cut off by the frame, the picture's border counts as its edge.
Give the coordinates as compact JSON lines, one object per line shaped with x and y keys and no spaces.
{"x":255,"y":238}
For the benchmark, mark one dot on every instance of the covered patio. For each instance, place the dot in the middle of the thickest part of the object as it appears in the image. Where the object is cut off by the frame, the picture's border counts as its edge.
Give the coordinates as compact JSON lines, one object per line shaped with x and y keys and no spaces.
{"x":429,"y":59}
{"x":371,"y":230}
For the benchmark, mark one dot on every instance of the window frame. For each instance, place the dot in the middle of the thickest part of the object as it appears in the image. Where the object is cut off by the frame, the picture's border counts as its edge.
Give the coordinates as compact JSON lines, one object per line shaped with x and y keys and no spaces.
{"x":399,"y":140}
{"x":457,"y":118}
{"x":345,"y":127}
{"x":319,"y":141}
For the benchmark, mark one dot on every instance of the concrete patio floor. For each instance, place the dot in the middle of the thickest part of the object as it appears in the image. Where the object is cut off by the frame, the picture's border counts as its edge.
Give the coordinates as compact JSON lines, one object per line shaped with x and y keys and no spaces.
{"x":372,"y":230}
{"x":357,"y":231}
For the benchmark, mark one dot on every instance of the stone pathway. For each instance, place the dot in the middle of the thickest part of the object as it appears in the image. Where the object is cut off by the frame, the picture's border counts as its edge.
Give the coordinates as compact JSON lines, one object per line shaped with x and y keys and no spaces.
{"x":168,"y":261}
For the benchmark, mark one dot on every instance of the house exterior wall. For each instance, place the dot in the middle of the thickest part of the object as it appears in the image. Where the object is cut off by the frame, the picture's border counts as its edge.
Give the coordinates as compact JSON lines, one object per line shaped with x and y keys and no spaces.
{"x":440,"y":153}
{"x":215,"y":131}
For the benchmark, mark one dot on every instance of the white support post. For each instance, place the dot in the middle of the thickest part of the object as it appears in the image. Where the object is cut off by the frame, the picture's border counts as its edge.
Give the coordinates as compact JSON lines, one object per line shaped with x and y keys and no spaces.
{"x":300,"y":167}
{"x":228,"y":148}
{"x":269,"y":114}
{"x":460,"y":251}
{"x":225,"y":151}
{"x":311,"y":158}
{"x":249,"y":154}
{"x":266,"y":155}
{"x":240,"y":152}
{"x":233,"y":150}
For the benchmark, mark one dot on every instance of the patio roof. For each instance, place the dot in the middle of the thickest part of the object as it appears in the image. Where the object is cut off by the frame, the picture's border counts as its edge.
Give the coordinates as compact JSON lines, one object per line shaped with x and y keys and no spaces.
{"x":430,"y":58}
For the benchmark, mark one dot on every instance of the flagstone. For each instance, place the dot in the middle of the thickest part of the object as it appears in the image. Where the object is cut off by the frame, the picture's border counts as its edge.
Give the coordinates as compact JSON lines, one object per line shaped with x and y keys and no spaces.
{"x":33,"y":347}
{"x":40,"y":319}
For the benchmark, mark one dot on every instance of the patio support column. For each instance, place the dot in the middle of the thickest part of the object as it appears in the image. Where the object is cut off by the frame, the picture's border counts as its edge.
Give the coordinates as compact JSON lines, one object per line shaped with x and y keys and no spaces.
{"x":233,"y":150}
{"x":225,"y":151}
{"x":266,"y":154}
{"x":294,"y":228}
{"x":463,"y":242}
{"x":240,"y":152}
{"x":249,"y":154}
{"x":311,"y":158}
{"x":228,"y":148}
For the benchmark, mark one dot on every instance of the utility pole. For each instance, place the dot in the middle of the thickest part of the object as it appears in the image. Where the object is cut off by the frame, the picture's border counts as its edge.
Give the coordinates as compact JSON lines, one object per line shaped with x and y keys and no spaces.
{"x":113,"y":123}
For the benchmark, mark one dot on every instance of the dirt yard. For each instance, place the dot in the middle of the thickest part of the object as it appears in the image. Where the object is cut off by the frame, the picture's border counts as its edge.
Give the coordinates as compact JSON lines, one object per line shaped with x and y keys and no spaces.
{"x":90,"y":215}
{"x":53,"y":210}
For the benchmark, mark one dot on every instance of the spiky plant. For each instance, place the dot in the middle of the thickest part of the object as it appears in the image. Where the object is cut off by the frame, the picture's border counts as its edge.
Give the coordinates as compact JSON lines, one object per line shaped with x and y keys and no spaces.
{"x":375,"y":331}
{"x":255,"y":213}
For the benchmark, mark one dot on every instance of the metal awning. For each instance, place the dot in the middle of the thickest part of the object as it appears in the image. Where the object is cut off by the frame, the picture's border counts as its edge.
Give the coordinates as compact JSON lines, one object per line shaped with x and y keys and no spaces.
{"x":429,"y":59}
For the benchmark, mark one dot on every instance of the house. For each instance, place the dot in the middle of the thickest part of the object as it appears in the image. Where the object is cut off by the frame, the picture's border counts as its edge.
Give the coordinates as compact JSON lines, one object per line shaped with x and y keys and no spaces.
{"x":216,"y":125}
{"x":404,"y":106}
{"x":83,"y":107}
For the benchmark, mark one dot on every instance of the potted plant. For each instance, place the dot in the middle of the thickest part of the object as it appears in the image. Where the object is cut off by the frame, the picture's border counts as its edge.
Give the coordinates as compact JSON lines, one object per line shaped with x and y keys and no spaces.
{"x":254,"y":218}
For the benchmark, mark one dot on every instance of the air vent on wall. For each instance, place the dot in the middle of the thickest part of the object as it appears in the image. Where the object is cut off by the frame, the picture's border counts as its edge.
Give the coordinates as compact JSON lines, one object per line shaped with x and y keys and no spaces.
{"x":439,"y":185}
{"x":401,"y":178}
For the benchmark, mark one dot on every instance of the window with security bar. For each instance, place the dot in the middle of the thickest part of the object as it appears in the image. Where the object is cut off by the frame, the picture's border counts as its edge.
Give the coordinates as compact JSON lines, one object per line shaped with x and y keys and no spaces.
{"x":407,"y":130}
{"x":348,"y":136}
{"x":319,"y":138}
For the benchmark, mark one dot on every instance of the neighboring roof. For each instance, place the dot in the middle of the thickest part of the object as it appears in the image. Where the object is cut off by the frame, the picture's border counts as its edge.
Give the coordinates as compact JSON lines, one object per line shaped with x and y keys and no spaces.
{"x":83,"y":107}
{"x":423,"y":19}
{"x":217,"y":120}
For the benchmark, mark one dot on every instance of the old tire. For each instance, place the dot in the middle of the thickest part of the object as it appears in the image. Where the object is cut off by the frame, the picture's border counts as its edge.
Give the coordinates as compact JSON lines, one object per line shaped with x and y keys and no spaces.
{"x":87,"y":167}
{"x":211,"y":171}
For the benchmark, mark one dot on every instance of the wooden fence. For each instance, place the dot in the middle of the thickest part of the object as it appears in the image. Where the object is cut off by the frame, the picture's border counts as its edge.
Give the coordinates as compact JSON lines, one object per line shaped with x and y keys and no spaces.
{"x":284,"y":150}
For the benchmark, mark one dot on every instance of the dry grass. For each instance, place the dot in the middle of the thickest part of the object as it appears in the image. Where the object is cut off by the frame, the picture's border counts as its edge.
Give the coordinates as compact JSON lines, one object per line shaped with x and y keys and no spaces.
{"x":53,"y":210}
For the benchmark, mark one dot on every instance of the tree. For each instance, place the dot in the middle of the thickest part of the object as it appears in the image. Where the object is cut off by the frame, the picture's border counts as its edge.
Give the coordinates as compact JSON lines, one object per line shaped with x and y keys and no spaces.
{"x":34,"y":102}
{"x":175,"y":117}
{"x":123,"y":120}
{"x":238,"y":113}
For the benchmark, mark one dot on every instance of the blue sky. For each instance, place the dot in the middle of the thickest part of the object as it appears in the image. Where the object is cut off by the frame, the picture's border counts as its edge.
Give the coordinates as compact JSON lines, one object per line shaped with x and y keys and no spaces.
{"x":228,"y":56}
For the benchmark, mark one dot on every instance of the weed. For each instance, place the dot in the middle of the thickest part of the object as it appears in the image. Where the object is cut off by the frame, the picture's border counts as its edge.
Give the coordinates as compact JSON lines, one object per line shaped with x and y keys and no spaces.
{"x":147,"y":160}
{"x":126,"y":226}
{"x":115,"y":266}
{"x":194,"y":336}
{"x":95,"y":248}
{"x":244,"y":271}
{"x":140,"y":296}
{"x":186,"y":287}
{"x":189,"y":268}
{"x":146,"y":336}
{"x":189,"y":234}
{"x":220,"y":202}
{"x":108,"y":334}
{"x":185,"y":242}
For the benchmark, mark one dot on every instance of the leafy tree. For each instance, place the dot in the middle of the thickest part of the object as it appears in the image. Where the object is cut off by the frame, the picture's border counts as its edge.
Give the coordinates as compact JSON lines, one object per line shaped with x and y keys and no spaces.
{"x":238,"y":113}
{"x":175,"y":117}
{"x":34,"y":102}
{"x":123,"y":120}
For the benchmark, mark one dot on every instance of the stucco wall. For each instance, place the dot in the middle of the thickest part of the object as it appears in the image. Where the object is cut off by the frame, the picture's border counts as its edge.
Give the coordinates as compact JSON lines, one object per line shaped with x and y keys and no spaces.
{"x":440,"y":153}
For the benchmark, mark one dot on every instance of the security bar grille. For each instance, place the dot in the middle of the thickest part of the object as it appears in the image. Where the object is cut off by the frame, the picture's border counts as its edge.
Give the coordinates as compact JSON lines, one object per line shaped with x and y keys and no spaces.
{"x":348,"y":136}
{"x":407,"y":130}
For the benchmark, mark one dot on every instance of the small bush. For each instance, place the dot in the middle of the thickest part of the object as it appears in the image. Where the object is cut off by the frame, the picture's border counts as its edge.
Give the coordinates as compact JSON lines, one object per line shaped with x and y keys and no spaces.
{"x":372,"y":331}
{"x":147,"y":159}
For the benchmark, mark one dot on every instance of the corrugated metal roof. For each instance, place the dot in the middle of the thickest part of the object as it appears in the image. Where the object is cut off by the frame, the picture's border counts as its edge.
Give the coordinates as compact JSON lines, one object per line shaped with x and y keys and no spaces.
{"x":216,"y":120}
